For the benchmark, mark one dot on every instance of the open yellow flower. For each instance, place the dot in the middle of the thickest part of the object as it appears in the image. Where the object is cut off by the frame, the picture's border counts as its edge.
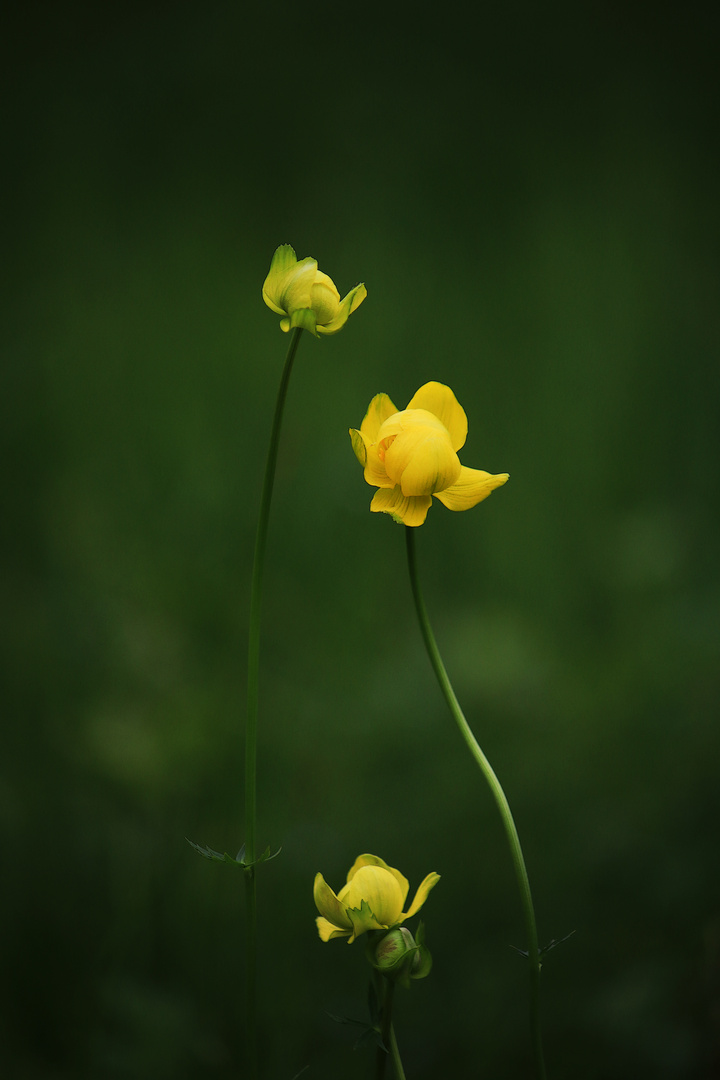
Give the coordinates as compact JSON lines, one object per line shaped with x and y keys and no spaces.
{"x":305,"y":296}
{"x":372,"y":899}
{"x":412,"y":455}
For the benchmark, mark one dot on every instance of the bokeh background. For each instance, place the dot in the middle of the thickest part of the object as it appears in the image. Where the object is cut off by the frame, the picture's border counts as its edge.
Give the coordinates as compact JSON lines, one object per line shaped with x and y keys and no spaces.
{"x":530,"y":194}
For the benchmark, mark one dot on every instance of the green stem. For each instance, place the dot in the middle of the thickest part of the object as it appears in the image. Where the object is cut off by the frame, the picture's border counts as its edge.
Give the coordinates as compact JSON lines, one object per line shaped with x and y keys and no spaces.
{"x":395,"y":1055}
{"x":500,"y":798}
{"x":387,"y":1033}
{"x":250,"y":1044}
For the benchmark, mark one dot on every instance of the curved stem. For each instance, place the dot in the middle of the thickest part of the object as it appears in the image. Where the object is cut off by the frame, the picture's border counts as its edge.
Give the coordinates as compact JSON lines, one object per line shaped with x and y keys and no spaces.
{"x":250,"y":1045}
{"x":500,"y":798}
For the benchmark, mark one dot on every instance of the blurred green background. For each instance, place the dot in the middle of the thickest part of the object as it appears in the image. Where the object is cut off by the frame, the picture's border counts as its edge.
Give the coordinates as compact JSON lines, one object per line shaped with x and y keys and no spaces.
{"x":530,"y":194}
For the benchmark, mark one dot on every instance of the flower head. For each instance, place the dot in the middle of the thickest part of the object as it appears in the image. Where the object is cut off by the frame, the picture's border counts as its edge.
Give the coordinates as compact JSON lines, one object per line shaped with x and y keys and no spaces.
{"x":412,"y":455}
{"x":372,"y":899}
{"x":305,"y":296}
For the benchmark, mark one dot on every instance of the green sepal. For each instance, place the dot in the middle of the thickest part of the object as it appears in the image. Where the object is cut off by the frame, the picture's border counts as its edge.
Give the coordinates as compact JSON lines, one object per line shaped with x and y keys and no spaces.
{"x":362,"y":918}
{"x":358,"y":445}
{"x":223,"y":857}
{"x":305,"y":319}
{"x":423,"y":965}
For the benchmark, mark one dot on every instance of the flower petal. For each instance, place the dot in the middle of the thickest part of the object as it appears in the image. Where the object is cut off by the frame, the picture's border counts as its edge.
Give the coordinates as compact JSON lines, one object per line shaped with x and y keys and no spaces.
{"x":325,"y":299}
{"x":375,"y":471}
{"x":380,"y":409}
{"x":329,"y":906}
{"x":375,"y":860}
{"x":439,"y":400}
{"x":421,"y":895}
{"x":283,"y":262}
{"x":411,"y":510}
{"x":289,"y":284}
{"x":327,"y":931}
{"x":419,"y":458}
{"x":267,"y":297}
{"x":472,"y":487}
{"x":376,"y":887}
{"x":284,"y":258}
{"x":352,"y":301}
{"x":294,"y":289}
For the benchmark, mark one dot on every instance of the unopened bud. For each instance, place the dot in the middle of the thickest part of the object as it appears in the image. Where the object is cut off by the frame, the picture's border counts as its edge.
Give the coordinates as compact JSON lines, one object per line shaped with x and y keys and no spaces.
{"x":399,"y":956}
{"x":395,"y":950}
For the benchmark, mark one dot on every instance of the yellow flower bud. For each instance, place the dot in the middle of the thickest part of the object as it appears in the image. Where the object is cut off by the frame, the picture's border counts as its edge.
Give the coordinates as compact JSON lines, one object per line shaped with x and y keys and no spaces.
{"x":305,"y":296}
{"x":412,"y":455}
{"x":371,"y":899}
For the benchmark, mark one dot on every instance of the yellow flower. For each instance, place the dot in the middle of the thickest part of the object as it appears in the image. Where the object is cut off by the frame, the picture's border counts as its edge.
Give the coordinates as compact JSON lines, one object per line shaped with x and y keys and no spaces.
{"x":305,"y":296}
{"x":412,"y":455}
{"x":372,"y":899}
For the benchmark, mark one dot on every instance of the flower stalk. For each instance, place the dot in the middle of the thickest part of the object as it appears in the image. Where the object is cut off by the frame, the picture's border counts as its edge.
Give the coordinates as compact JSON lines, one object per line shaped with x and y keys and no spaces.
{"x":252,"y":715}
{"x":385,"y":990}
{"x":395,"y":1055}
{"x":500,"y":799}
{"x":307,"y":299}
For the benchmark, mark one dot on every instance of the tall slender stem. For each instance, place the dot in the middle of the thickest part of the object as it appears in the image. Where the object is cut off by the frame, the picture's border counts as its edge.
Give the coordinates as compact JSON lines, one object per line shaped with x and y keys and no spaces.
{"x":250,"y":1045}
{"x":500,"y":798}
{"x":386,"y":989}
